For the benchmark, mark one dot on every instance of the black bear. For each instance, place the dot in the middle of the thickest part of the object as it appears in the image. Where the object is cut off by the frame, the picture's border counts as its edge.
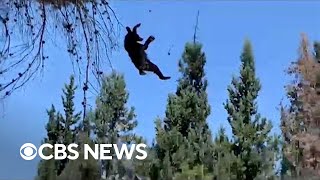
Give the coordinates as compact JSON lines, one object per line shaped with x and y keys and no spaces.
{"x":137,"y":54}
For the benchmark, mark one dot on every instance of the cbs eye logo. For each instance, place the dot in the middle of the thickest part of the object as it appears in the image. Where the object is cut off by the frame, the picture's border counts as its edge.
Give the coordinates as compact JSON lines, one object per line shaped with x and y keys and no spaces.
{"x":28,"y":151}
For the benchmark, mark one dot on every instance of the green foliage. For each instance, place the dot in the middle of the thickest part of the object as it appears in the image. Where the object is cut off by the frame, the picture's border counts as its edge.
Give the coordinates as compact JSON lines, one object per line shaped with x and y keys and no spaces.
{"x":60,"y":129}
{"x":223,"y":158}
{"x":82,"y":169}
{"x":250,"y":132}
{"x":183,"y":138}
{"x":70,"y":118}
{"x":112,"y":117}
{"x":316,"y":46}
{"x":47,"y":169}
{"x":190,"y":100}
{"x":197,"y":172}
{"x":113,"y":121}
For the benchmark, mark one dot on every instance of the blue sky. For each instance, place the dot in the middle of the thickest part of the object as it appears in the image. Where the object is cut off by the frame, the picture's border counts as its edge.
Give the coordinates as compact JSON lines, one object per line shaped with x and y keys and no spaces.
{"x":273,"y":27}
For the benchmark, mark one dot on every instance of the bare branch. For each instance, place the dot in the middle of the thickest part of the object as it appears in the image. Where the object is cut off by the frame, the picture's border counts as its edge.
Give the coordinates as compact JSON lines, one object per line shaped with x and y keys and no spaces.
{"x":28,"y":27}
{"x":196,"y":28}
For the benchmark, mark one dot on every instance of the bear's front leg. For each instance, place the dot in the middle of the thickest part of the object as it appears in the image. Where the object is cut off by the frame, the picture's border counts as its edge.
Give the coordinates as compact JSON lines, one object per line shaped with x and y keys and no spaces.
{"x":148,"y":41}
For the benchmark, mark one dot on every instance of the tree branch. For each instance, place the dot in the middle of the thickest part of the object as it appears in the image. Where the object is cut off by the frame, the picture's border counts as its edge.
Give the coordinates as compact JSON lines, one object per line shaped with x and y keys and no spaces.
{"x":28,"y":51}
{"x":195,"y":29}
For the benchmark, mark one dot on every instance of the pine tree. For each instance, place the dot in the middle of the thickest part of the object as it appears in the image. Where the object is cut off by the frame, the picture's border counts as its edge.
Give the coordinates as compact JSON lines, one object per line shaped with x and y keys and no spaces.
{"x":250,"y":131}
{"x":300,"y":121}
{"x":47,"y":168}
{"x":82,"y":169}
{"x":114,"y":121}
{"x":70,"y":119}
{"x":60,"y":129}
{"x":223,"y":158}
{"x":73,"y":132}
{"x":191,"y":96}
{"x":184,"y":135}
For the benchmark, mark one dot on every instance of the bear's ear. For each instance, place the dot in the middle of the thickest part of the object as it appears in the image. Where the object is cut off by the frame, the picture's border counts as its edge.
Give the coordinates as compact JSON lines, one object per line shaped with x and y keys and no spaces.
{"x":128,"y":29}
{"x":135,"y":27}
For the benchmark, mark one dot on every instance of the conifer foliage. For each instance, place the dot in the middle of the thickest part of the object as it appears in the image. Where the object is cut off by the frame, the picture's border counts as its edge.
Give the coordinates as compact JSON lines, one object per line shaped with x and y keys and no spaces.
{"x":300,"y":119}
{"x":183,"y":139}
{"x":113,"y":121}
{"x":60,"y":130}
{"x":249,"y":130}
